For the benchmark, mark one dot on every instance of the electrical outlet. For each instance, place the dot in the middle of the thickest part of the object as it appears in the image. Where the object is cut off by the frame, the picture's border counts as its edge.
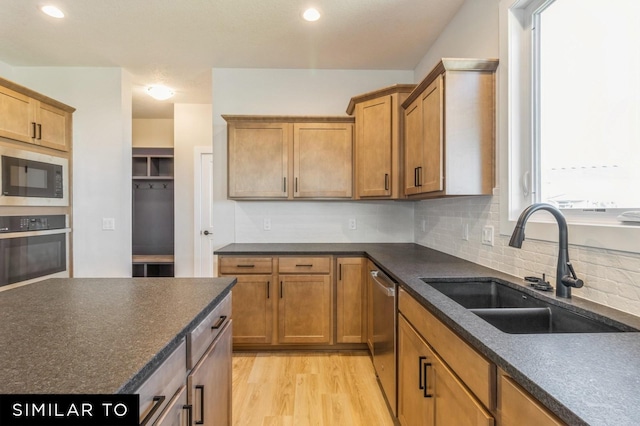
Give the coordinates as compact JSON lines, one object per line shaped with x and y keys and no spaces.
{"x":487,"y":235}
{"x":108,"y":224}
{"x":465,"y":231}
{"x":353,"y":224}
{"x":266,"y":224}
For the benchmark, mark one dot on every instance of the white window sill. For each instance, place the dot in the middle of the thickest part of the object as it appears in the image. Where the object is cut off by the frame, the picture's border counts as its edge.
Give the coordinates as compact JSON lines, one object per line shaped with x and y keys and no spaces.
{"x":602,"y":236}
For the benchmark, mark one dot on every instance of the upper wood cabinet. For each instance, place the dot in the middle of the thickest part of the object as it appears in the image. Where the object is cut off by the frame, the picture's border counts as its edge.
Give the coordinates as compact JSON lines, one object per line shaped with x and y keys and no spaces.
{"x":258,"y":159}
{"x":286,"y":157}
{"x":27,"y":116}
{"x":323,"y":160}
{"x":378,"y":132}
{"x":450,"y":130}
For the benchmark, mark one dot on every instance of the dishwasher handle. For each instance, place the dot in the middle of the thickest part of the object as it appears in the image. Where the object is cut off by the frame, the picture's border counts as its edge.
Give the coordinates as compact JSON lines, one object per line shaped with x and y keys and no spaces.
{"x":388,"y":289}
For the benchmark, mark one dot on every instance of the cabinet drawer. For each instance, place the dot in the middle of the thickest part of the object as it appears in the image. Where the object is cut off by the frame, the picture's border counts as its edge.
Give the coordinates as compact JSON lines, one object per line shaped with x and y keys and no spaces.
{"x":245,"y":265}
{"x":201,"y":337}
{"x":156,"y":391}
{"x":474,"y":370}
{"x":302,"y":265}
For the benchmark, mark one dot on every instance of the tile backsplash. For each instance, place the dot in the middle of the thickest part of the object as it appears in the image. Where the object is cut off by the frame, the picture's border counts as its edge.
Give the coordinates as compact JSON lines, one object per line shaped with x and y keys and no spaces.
{"x":611,"y":277}
{"x":323,"y":221}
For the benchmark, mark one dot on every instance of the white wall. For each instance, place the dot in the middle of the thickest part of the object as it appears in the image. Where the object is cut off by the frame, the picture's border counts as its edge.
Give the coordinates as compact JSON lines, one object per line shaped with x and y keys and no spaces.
{"x":298,"y":92}
{"x":152,"y":132}
{"x":611,"y":278}
{"x":101,"y":159}
{"x":6,"y":71}
{"x":192,"y":128}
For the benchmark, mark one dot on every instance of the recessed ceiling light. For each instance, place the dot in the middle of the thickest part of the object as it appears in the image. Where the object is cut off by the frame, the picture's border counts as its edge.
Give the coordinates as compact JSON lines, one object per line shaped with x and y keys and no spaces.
{"x":52,"y":11}
{"x":160,"y":92}
{"x":311,"y":15}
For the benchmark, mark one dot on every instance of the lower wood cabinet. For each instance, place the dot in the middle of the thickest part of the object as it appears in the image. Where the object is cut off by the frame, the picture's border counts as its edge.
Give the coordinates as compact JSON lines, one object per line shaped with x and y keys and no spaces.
{"x":281,"y":300}
{"x":351,"y":301}
{"x":209,"y":384}
{"x":441,"y":379}
{"x":429,"y":393}
{"x":304,"y":309}
{"x":517,"y":407}
{"x":253,"y":303}
{"x":177,"y":412}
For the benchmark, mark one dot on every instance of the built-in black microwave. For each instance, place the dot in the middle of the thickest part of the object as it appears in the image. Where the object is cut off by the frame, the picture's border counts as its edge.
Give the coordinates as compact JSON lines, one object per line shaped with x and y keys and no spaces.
{"x":32,"y":179}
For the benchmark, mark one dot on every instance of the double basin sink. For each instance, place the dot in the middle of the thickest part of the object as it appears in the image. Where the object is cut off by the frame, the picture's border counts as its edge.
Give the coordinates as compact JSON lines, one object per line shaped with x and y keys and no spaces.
{"x":515,"y":311}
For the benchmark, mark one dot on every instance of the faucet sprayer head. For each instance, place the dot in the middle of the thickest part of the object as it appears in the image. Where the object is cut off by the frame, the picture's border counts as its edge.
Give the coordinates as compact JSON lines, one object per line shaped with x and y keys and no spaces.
{"x":517,"y":237}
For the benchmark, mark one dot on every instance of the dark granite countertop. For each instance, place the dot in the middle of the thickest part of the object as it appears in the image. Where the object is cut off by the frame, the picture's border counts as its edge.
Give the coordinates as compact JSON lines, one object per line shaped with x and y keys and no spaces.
{"x":97,"y":335}
{"x":591,"y":378}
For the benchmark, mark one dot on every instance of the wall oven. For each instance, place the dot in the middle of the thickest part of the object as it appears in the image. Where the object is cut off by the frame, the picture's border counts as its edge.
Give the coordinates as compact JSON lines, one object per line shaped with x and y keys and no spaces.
{"x":33,"y":248}
{"x":32,"y":179}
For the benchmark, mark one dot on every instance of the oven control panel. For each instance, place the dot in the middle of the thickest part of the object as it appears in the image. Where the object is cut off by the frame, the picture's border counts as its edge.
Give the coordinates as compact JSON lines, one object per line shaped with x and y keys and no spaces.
{"x":31,"y":223}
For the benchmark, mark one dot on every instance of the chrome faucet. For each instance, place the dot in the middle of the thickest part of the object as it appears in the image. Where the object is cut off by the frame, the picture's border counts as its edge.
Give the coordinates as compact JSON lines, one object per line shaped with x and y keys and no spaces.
{"x":565,"y":274}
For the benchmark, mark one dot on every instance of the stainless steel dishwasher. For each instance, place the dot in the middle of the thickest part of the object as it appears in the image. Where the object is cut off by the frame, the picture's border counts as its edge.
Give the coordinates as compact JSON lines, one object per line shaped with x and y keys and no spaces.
{"x":384,"y":332}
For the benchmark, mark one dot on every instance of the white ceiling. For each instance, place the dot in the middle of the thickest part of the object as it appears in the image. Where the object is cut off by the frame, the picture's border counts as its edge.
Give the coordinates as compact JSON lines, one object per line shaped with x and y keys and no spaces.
{"x":177,"y":42}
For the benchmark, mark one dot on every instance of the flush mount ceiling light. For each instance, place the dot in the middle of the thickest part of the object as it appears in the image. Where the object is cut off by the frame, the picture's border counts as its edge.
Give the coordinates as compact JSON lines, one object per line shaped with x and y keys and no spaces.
{"x":52,"y":11}
{"x":311,"y":15}
{"x":160,"y":92}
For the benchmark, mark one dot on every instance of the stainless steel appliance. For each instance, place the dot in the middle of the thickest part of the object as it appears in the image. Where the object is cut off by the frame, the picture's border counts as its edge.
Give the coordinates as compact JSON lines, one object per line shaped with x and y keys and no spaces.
{"x":384,"y":332}
{"x":32,"y":179}
{"x":32,"y":247}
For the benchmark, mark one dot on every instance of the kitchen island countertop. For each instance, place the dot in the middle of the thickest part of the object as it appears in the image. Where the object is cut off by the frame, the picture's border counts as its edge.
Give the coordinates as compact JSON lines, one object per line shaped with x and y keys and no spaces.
{"x":97,"y":335}
{"x":591,"y":378}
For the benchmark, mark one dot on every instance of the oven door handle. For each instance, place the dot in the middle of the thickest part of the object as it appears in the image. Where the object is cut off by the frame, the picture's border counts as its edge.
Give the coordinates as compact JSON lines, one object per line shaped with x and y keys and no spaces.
{"x":389,"y":290}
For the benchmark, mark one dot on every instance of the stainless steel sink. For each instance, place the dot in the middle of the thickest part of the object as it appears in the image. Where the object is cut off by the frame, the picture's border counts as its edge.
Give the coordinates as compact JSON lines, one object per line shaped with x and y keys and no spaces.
{"x":518,"y":312}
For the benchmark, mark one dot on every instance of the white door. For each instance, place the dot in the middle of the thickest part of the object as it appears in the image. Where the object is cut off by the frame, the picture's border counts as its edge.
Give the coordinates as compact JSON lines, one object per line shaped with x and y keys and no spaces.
{"x":203,"y":195}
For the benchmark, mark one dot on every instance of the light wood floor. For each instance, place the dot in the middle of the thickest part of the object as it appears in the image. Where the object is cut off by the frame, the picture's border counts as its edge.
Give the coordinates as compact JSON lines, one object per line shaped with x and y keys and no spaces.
{"x":307,"y":388}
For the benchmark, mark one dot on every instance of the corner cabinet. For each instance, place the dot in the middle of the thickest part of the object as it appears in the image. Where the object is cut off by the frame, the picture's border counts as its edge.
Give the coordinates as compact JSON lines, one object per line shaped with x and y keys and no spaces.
{"x":449,"y":130}
{"x":378,"y":131}
{"x":27,"y":116}
{"x":288,"y":157}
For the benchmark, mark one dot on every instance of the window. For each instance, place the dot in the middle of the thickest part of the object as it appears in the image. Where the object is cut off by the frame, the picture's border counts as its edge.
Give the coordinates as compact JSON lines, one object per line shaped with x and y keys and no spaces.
{"x":569,"y":117}
{"x":587,"y":97}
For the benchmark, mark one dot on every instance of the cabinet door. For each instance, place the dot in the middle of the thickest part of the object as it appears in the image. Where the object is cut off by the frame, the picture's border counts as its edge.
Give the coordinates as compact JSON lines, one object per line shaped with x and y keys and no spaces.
{"x":17,"y":116}
{"x":304,"y":309}
{"x":454,"y":403}
{"x":431,"y":175}
{"x":209,"y":384}
{"x":258,"y":155}
{"x":374,"y":145}
{"x":351,"y":301}
{"x":54,"y":127}
{"x":415,"y":407}
{"x":517,"y":407}
{"x":252,"y":307}
{"x":428,"y":391}
{"x":413,"y":147}
{"x":177,"y":412}
{"x":323,"y":160}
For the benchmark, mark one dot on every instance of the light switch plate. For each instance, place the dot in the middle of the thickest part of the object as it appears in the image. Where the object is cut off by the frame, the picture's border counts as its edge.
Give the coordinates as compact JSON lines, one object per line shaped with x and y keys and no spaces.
{"x":108,"y":224}
{"x":487,"y":235}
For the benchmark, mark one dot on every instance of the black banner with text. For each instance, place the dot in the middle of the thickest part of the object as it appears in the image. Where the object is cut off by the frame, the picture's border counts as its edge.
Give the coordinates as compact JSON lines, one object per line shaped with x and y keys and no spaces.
{"x":69,"y":410}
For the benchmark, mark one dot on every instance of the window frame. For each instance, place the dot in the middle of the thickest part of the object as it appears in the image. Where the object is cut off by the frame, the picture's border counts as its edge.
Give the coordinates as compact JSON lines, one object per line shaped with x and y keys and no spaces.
{"x":517,"y":135}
